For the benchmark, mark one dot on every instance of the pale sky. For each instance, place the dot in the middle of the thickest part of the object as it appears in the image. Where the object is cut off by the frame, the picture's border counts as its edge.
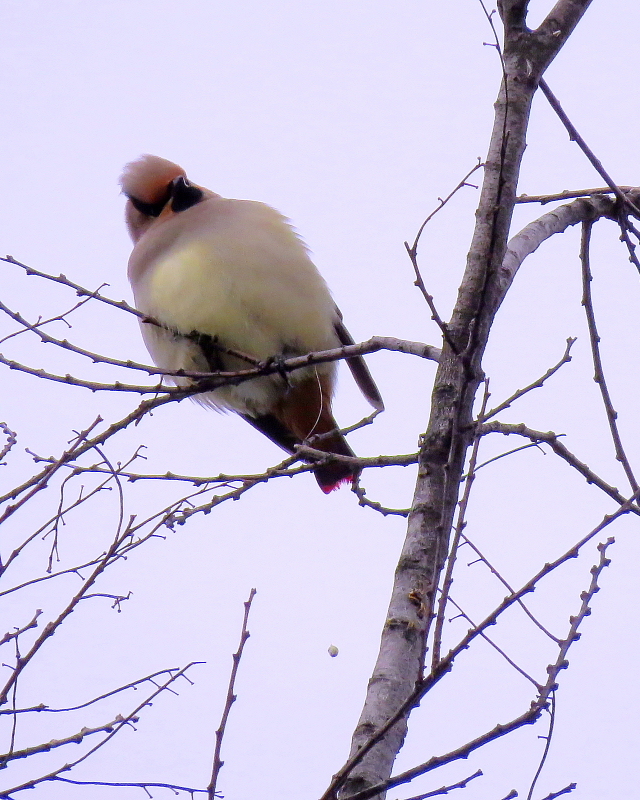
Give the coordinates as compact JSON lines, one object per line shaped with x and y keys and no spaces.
{"x":351,"y":118}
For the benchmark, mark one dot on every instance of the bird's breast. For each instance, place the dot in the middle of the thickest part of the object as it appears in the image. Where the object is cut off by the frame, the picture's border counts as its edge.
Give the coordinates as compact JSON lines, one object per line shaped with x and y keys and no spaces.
{"x":256,"y":299}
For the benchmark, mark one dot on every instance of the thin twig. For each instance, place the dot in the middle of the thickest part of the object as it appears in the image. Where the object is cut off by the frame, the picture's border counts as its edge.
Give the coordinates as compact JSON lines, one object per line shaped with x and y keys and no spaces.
{"x":46,"y":747}
{"x":547,"y":745}
{"x":412,"y":251}
{"x":364,"y":501}
{"x":594,"y":338}
{"x":146,"y":785}
{"x":19,"y":631}
{"x":446,"y":789}
{"x":231,"y":697}
{"x":62,"y":317}
{"x":503,"y":581}
{"x":509,"y":453}
{"x":81,"y":291}
{"x":569,"y":194}
{"x":458,"y":529}
{"x":529,"y":716}
{"x":566,"y":790}
{"x":625,"y":202}
{"x":552,"y":439}
{"x":12,"y":438}
{"x":112,"y":553}
{"x":501,"y":203}
{"x":52,"y":524}
{"x":132,"y":685}
{"x":537,"y":384}
{"x":119,"y":724}
{"x":575,"y":137}
{"x":38,"y":482}
{"x":495,"y":646}
{"x":446,"y":664}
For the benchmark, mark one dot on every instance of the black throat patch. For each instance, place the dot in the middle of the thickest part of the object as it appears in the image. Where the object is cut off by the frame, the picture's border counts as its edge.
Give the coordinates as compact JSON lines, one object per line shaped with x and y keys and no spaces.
{"x":185,"y":195}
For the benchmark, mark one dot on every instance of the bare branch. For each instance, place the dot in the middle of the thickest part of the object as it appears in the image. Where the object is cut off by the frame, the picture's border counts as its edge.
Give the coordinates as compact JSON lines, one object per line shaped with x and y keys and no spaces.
{"x":450,"y":431}
{"x":18,"y":631}
{"x":131,"y":685}
{"x":54,"y":743}
{"x":231,"y":698}
{"x":533,"y":235}
{"x":510,"y":589}
{"x":412,"y":251}
{"x":446,"y":789}
{"x":363,"y":500}
{"x":457,"y":534}
{"x":594,"y":338}
{"x":567,"y":790}
{"x":146,"y":785}
{"x":12,"y":439}
{"x":40,"y":481}
{"x":497,"y":648}
{"x":81,"y":291}
{"x":529,"y":716}
{"x":446,"y":664}
{"x":569,"y":194}
{"x":559,"y":449}
{"x":537,"y":384}
{"x":547,"y":744}
{"x":208,"y":381}
{"x":117,"y":727}
{"x":113,"y":553}
{"x":595,"y":162}
{"x":625,"y":201}
{"x":555,"y":29}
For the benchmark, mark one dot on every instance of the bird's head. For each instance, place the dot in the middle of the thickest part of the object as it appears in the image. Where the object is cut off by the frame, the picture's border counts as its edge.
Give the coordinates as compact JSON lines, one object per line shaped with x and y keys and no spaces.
{"x":156,"y":188}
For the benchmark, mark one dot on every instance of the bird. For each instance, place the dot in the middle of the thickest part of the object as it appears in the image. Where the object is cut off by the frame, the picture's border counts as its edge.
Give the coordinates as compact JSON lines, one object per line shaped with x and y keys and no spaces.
{"x":219,"y":278}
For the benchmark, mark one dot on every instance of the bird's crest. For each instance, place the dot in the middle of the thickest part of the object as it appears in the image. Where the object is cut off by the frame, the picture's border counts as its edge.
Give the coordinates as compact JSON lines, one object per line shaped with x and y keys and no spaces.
{"x":147,"y":178}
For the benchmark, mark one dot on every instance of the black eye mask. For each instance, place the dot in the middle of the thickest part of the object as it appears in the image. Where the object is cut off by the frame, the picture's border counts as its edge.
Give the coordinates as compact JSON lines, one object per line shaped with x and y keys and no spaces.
{"x":152,"y":209}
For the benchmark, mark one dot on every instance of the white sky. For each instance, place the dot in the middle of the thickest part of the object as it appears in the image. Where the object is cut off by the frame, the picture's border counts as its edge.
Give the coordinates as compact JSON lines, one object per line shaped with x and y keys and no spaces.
{"x":352,"y":118}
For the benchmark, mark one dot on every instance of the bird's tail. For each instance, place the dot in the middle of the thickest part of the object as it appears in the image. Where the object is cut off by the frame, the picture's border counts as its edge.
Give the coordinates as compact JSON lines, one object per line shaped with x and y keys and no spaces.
{"x":304,"y":414}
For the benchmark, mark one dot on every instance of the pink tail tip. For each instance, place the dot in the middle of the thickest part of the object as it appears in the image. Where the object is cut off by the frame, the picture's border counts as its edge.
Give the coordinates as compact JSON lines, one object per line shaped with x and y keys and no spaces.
{"x":331,"y":487}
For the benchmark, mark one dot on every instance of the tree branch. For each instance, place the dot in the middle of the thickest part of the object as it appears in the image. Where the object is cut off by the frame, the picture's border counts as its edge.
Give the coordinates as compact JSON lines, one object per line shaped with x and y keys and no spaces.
{"x":449,"y":433}
{"x":231,"y":698}
{"x":550,"y":438}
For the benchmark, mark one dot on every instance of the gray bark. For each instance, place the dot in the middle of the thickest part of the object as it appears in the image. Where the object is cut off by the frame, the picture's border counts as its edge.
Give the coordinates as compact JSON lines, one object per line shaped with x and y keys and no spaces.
{"x":399,"y":668}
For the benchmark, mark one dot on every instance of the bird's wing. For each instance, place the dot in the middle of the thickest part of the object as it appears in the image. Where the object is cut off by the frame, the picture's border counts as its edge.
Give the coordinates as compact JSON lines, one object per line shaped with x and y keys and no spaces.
{"x":359,"y":369}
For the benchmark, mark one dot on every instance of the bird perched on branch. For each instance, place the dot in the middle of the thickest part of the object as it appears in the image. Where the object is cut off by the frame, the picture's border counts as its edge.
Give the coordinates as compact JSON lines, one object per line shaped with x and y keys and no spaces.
{"x":222,"y":275}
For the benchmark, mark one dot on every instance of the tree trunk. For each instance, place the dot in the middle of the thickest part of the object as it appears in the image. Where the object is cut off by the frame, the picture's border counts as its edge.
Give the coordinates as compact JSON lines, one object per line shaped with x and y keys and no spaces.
{"x":399,"y":668}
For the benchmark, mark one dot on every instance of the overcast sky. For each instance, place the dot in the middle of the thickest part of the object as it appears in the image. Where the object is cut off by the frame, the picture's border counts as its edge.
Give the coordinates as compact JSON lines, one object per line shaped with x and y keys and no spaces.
{"x":351,"y":118}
